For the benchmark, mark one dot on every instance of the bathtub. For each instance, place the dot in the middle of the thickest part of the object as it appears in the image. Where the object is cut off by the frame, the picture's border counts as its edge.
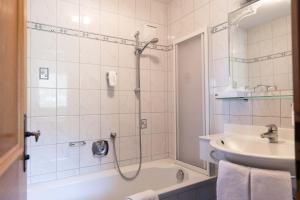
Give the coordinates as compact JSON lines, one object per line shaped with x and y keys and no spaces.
{"x":108,"y":185}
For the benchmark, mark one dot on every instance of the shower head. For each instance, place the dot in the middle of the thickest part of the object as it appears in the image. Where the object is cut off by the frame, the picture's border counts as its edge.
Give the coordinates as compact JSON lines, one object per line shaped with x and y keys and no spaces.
{"x":153,"y":41}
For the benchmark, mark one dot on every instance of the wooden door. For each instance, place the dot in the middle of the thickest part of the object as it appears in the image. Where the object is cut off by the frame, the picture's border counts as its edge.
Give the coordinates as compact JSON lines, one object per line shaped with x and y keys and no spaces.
{"x":12,"y":98}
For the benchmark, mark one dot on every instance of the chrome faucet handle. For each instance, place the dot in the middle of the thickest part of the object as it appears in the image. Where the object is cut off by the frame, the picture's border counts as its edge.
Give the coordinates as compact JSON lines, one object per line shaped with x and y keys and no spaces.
{"x":272,"y":128}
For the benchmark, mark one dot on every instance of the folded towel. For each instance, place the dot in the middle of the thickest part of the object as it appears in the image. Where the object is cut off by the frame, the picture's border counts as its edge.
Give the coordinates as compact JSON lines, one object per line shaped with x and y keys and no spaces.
{"x":268,"y":184}
{"x":233,"y":182}
{"x":146,"y":195}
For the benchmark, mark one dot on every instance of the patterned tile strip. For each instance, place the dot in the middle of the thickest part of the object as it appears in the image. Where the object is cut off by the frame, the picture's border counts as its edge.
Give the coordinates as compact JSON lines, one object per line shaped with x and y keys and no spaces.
{"x":263,"y":58}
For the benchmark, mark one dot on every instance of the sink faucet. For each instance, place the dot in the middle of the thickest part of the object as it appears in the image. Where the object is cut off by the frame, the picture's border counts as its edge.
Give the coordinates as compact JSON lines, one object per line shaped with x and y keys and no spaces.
{"x":272,"y":133}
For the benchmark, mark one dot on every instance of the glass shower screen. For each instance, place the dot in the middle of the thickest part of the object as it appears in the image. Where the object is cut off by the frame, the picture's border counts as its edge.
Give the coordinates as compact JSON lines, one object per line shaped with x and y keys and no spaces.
{"x":191,"y":99}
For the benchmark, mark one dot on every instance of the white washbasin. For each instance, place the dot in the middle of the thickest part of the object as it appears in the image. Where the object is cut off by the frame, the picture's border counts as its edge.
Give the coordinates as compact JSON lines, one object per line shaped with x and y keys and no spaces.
{"x":243,"y":145}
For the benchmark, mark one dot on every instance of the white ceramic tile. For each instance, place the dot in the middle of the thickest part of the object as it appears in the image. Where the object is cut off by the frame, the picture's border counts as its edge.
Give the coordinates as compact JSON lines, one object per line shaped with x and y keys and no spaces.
{"x":35,"y":67}
{"x":286,"y":123}
{"x":89,"y":102}
{"x":109,"y":5}
{"x":127,"y":102}
{"x":86,"y":156}
{"x":202,"y":16}
{"x":157,"y":81}
{"x":89,"y":51}
{"x":67,"y":75}
{"x":109,"y":102}
{"x":280,"y":44}
{"x":220,"y":45}
{"x":68,"y":14}
{"x":108,"y":23}
{"x":109,"y":158}
{"x":43,"y":45}
{"x":143,"y":9}
{"x":126,"y":27}
{"x":187,"y":24}
{"x":286,"y":108}
{"x":43,"y":102}
{"x":109,"y":124}
{"x":47,"y":126}
{"x":90,"y":76}
{"x":95,"y":4}
{"x":127,"y":8}
{"x":281,"y":66}
{"x":240,"y":108}
{"x":67,"y":129}
{"x":200,"y":3}
{"x":158,"y":12}
{"x":221,"y":72}
{"x":245,"y":120}
{"x":159,"y":142}
{"x":145,"y":80}
{"x":157,"y":102}
{"x":148,"y":117}
{"x":67,"y":173}
{"x":146,"y":145}
{"x":282,"y":81}
{"x":158,"y":122}
{"x":43,"y":160}
{"x":126,"y":56}
{"x":67,"y":157}
{"x":109,"y":54}
{"x":90,"y":127}
{"x":158,"y":60}
{"x":43,"y":178}
{"x":67,"y":102}
{"x":67,"y":48}
{"x":145,"y":59}
{"x":43,"y":11}
{"x":127,"y":79}
{"x":263,"y":121}
{"x":127,"y":124}
{"x":128,"y":148}
{"x":146,"y":101}
{"x":267,"y":108}
{"x":89,"y":19}
{"x":218,"y":11}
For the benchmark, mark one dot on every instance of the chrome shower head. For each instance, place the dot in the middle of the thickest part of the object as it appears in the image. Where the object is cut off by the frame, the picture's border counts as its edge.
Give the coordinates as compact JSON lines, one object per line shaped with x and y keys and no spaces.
{"x":153,"y":41}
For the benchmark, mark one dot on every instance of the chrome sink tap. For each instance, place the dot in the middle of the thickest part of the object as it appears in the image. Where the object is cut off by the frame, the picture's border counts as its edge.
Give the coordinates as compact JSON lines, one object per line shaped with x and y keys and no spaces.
{"x":272,"y":133}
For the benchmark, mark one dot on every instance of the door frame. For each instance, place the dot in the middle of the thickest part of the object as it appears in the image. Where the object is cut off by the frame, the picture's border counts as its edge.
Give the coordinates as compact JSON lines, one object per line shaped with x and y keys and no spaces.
{"x":16,"y":152}
{"x":203,"y":32}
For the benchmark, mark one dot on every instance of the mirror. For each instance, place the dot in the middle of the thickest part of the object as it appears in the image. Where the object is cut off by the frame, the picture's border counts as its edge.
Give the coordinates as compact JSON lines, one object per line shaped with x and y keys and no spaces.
{"x":260,"y":46}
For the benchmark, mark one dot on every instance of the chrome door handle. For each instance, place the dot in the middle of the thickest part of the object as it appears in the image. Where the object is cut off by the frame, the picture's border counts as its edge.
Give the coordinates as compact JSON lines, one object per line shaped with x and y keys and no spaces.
{"x":36,"y":135}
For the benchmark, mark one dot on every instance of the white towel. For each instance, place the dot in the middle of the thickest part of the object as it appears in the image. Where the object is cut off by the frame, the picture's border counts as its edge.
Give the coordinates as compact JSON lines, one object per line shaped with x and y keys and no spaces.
{"x":268,"y":184}
{"x":233,"y":182}
{"x":146,"y":195}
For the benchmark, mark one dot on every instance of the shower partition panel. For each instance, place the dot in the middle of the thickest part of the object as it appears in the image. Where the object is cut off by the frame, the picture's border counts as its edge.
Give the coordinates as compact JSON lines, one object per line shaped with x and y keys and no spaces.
{"x":192,"y":99}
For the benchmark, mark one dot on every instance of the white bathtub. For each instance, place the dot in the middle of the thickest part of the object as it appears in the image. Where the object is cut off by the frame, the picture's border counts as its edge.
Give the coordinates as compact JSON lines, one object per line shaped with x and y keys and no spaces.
{"x":108,"y":185}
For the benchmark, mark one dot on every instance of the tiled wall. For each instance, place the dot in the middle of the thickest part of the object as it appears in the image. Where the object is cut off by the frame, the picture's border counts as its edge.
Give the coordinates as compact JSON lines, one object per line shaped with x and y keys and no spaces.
{"x":189,"y":15}
{"x":75,"y":103}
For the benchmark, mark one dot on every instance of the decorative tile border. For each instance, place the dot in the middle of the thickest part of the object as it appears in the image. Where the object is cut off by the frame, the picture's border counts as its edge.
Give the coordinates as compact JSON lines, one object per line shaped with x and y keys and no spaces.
{"x":94,"y":36}
{"x":263,"y":58}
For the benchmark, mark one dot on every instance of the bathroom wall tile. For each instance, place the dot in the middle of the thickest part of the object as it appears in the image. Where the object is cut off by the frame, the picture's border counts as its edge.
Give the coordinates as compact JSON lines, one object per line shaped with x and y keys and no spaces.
{"x":109,"y":54}
{"x":286,"y":123}
{"x":157,"y":80}
{"x":146,"y":102}
{"x":146,"y":145}
{"x":109,"y":124}
{"x":90,"y":102}
{"x":89,"y":19}
{"x":127,"y":8}
{"x":202,"y":16}
{"x":109,"y":158}
{"x":220,"y":45}
{"x":218,"y":11}
{"x":145,"y":59}
{"x":108,"y":23}
{"x":127,"y":79}
{"x":67,"y":157}
{"x":67,"y":129}
{"x":35,"y":66}
{"x":158,"y":12}
{"x":217,"y":123}
{"x":143,"y":9}
{"x":67,"y":75}
{"x":43,"y":45}
{"x":109,"y":102}
{"x":267,"y":108}
{"x":244,"y":120}
{"x":187,"y":24}
{"x":158,"y":144}
{"x":126,"y":56}
{"x":67,"y":102}
{"x":47,"y":127}
{"x":128,"y":148}
{"x":263,"y":121}
{"x":109,"y":5}
{"x":89,"y":51}
{"x":157,"y":102}
{"x":127,"y":124}
{"x":89,"y":170}
{"x":67,"y":173}
{"x":43,"y":102}
{"x":126,"y":27}
{"x":90,"y":76}
{"x":43,"y":160}
{"x":158,"y":60}
{"x":42,"y":178}
{"x":158,"y":122}
{"x":286,"y":108}
{"x":86,"y":157}
{"x":221,"y":72}
{"x":95,"y":4}
{"x":145,"y":80}
{"x":240,"y":108}
{"x":148,"y":117}
{"x":127,"y":102}
{"x":200,"y":3}
{"x":43,"y":11}
{"x":67,"y":48}
{"x":68,"y":14}
{"x":90,"y":127}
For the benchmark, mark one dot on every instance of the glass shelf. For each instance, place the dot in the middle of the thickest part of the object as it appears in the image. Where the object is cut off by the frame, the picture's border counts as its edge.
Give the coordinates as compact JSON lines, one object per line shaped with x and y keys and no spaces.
{"x":261,"y":96}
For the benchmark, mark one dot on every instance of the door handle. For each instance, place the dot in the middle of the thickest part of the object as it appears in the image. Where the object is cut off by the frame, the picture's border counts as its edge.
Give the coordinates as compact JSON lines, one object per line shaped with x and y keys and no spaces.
{"x":36,"y":135}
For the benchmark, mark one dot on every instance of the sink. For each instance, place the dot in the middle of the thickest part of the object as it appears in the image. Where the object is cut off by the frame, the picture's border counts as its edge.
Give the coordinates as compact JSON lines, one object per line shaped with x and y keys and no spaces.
{"x":253,"y":151}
